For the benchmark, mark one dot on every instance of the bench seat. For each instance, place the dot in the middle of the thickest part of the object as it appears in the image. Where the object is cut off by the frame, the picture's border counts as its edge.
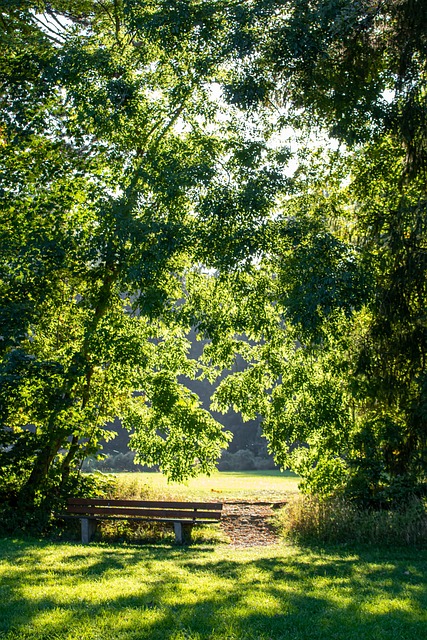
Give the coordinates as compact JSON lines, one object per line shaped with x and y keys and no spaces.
{"x":182,"y":515}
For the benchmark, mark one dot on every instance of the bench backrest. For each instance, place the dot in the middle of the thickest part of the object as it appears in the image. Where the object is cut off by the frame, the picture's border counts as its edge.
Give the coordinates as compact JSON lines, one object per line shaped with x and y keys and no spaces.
{"x":164,"y":510}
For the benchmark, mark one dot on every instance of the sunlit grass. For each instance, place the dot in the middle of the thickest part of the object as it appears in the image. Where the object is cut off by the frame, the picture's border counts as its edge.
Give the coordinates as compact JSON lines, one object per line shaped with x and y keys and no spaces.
{"x":274,"y":486}
{"x":70,"y":592}
{"x":210,"y":591}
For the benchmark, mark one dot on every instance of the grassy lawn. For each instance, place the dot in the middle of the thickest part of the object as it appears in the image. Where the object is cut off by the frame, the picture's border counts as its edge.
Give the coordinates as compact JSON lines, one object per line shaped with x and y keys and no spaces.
{"x":210,"y":591}
{"x":106,"y":592}
{"x":274,"y":486}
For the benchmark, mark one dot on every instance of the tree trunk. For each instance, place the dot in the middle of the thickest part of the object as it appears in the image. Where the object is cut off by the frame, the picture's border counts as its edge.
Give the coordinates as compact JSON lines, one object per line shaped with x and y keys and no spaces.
{"x":40,"y":470}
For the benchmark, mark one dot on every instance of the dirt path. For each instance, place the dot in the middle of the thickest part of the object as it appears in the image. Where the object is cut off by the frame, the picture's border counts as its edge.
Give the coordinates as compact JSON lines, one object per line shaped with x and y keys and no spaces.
{"x":247,"y":524}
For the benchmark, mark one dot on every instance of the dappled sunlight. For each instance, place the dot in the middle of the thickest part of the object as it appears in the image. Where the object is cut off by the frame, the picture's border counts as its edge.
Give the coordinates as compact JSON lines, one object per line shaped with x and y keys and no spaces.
{"x":212,"y":593}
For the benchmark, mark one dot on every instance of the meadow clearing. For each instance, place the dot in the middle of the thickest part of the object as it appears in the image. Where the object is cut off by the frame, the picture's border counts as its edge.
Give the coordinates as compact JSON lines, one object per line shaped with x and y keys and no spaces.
{"x":61,"y":590}
{"x":273,"y":486}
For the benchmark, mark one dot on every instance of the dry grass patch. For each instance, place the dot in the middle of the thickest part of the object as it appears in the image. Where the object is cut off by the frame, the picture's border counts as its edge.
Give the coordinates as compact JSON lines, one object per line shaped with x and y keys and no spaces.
{"x":308,"y":519}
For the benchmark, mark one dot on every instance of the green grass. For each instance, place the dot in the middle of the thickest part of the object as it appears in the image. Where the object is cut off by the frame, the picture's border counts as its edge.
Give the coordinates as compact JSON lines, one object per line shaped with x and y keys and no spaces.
{"x":105,"y":592}
{"x":274,"y":486}
{"x":210,"y":591}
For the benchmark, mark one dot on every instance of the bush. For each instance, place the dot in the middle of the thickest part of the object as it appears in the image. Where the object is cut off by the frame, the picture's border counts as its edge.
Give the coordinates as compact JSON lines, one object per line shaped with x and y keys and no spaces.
{"x":244,"y":460}
{"x":39,"y":516}
{"x":309,"y":519}
{"x":114,"y":463}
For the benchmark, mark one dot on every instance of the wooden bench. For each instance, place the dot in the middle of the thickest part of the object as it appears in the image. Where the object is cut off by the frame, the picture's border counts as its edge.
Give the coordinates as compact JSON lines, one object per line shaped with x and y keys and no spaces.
{"x":182,"y":515}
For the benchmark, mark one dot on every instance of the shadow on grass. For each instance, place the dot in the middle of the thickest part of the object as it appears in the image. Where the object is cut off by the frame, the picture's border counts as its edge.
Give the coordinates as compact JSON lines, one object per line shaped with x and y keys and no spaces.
{"x":63,"y":591}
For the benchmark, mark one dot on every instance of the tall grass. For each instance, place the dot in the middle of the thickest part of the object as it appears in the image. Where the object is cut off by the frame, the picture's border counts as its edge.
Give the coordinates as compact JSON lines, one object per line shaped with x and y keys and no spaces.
{"x":309,"y":519}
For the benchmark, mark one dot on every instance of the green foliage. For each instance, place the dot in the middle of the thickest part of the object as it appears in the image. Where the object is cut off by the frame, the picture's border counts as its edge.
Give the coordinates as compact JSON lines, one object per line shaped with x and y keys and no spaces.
{"x":115,"y":462}
{"x":335,"y":306}
{"x":111,"y":140}
{"x":175,"y":431}
{"x":244,"y":460}
{"x":21,"y":513}
{"x":336,"y":318}
{"x":144,"y":193}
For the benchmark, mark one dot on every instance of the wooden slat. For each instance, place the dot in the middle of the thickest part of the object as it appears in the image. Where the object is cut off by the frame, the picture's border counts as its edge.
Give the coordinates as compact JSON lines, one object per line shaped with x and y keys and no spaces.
{"x":136,"y":519}
{"x":155,"y":504}
{"x":129,"y":512}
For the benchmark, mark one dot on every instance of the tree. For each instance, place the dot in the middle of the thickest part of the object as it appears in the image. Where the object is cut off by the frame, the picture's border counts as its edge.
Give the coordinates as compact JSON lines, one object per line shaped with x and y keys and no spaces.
{"x":344,"y":373}
{"x":141,"y":182}
{"x":114,"y":151}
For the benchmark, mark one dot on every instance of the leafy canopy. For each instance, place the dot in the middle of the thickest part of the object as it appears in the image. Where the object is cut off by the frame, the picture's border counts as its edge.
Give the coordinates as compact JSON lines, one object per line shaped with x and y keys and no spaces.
{"x":121,"y":173}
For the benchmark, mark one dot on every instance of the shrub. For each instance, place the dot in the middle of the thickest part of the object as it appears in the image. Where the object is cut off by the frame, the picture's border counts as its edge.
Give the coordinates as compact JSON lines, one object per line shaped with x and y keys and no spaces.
{"x":309,"y":519}
{"x":114,"y":463}
{"x":39,"y":516}
{"x":132,"y":489}
{"x":244,"y":460}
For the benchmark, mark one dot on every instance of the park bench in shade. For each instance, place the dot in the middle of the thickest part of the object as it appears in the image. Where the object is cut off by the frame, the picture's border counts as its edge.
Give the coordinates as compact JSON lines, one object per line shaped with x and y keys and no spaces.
{"x":182,"y":515}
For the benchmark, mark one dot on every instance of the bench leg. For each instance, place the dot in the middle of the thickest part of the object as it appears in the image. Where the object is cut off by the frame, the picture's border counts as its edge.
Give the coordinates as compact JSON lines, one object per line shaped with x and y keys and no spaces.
{"x":88,"y":529}
{"x":182,"y":532}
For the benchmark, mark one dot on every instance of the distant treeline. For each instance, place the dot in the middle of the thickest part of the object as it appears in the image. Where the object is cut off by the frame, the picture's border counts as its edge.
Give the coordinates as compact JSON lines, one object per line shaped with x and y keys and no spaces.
{"x":241,"y":460}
